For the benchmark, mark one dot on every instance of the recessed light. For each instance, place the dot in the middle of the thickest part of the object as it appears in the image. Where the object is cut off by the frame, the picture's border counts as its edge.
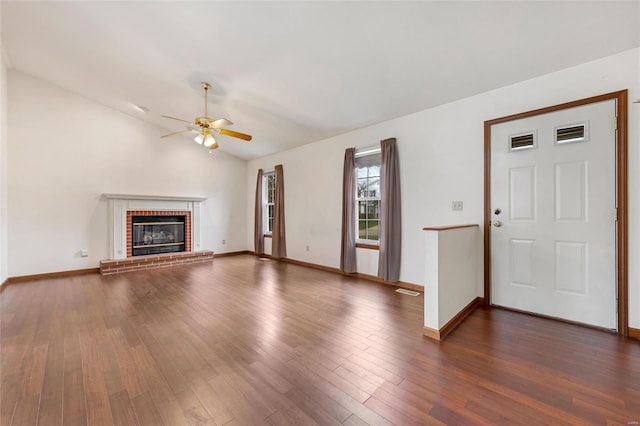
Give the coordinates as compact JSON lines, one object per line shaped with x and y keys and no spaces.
{"x":141,"y":108}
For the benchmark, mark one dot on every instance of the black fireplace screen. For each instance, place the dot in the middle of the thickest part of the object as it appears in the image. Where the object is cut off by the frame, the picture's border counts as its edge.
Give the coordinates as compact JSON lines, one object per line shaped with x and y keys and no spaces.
{"x":157,"y":234}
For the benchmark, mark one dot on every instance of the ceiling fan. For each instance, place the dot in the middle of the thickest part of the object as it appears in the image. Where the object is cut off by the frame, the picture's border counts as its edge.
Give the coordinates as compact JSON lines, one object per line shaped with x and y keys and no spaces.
{"x":205,"y":126}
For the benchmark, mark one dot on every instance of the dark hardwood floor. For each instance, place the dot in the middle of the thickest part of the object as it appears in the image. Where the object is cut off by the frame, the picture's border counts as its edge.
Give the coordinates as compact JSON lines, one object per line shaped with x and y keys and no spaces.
{"x":246,"y":342}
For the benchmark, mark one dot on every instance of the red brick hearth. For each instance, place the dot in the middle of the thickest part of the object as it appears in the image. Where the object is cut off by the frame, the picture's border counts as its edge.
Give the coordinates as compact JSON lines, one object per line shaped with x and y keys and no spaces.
{"x":137,"y":263}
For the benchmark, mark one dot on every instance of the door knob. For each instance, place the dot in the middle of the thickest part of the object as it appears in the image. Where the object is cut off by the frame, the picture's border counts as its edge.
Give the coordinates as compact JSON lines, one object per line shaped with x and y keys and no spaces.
{"x":497,"y":224}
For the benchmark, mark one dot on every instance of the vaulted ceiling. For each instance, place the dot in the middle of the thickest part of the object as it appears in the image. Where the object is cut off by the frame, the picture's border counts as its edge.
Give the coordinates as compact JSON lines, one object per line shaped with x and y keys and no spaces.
{"x":291,"y":73}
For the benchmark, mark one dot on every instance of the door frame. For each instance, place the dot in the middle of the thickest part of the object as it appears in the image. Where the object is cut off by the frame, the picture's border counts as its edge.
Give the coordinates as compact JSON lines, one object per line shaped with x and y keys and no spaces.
{"x":621,"y":178}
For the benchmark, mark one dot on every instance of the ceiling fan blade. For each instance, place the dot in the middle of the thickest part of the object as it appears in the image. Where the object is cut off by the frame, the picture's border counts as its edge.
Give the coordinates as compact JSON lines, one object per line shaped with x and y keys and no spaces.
{"x":179,"y":119}
{"x":235,"y":134}
{"x":179,"y":132}
{"x":221,"y":122}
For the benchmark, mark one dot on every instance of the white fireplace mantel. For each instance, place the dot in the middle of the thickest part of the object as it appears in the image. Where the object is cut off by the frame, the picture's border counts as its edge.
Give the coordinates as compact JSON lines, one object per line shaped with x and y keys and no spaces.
{"x":153,"y":197}
{"x":119,"y":204}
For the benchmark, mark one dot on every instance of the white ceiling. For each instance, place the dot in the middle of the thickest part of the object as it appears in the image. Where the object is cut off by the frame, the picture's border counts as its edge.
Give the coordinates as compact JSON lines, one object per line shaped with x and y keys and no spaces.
{"x":291,"y":73}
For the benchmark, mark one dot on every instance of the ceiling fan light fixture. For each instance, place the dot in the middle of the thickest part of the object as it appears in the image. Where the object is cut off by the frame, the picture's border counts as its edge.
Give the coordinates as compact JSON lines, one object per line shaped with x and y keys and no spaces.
{"x":199,"y":139}
{"x":213,"y":147}
{"x":210,"y":141}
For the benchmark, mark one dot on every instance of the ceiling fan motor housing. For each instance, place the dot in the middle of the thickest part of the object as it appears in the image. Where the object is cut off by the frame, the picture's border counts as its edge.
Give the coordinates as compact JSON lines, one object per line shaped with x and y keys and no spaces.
{"x":205,"y":122}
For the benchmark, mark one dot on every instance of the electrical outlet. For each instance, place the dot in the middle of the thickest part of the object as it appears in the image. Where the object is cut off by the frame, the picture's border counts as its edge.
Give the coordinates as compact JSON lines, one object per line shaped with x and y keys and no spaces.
{"x":307,"y":248}
{"x":84,"y":253}
{"x":456,"y":205}
{"x":224,"y":242}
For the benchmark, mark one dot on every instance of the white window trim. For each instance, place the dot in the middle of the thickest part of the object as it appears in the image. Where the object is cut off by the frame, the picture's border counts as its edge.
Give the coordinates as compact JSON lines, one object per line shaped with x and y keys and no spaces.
{"x":361,"y":152}
{"x":265,"y":203}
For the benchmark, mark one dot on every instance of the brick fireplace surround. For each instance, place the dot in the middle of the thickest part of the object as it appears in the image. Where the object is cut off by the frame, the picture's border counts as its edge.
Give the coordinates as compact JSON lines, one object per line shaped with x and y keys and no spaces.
{"x":187,"y":225}
{"x":123,"y":207}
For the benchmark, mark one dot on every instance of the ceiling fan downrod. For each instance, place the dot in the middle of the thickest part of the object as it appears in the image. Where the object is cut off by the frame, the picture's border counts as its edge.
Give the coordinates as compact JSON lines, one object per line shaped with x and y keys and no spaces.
{"x":206,"y":86}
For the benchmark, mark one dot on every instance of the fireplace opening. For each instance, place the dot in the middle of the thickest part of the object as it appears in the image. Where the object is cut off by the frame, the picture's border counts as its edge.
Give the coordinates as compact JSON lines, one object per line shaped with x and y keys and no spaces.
{"x":157,"y":234}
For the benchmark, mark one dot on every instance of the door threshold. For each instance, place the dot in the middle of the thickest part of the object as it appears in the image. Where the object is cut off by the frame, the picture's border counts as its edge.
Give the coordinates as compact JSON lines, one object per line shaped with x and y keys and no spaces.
{"x":549,"y":317}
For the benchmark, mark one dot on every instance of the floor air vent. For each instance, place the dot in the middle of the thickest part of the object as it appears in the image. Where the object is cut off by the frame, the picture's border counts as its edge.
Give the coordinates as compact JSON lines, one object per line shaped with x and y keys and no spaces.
{"x":407,"y":292}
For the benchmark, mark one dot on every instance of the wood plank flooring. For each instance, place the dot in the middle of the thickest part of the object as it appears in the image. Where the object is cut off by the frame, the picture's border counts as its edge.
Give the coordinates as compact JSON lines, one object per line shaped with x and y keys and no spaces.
{"x":250,"y":342}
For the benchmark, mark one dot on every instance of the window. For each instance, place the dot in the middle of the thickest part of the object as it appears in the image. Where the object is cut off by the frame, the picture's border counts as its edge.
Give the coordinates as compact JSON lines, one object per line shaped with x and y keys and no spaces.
{"x":368,"y":196}
{"x":269,"y":194}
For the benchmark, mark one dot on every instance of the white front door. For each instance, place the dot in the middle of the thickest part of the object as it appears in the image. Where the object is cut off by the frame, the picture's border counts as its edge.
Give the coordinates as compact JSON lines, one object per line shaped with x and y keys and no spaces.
{"x":553,"y":214}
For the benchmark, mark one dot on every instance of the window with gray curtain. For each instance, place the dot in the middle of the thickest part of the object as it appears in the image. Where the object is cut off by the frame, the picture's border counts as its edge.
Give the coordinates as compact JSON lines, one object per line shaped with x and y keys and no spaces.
{"x":258,"y":237}
{"x":348,"y":242}
{"x":390,"y":229}
{"x":278,"y":241}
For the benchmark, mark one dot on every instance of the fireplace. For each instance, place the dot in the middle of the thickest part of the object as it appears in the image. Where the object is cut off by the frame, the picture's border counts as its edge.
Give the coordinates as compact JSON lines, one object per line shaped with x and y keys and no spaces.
{"x":157,"y":234}
{"x":161,"y":235}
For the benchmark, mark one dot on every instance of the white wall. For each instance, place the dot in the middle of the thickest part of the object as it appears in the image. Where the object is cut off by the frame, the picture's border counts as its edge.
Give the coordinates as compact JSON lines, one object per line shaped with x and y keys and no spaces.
{"x":3,"y":166}
{"x":441,"y":160}
{"x":65,"y":151}
{"x":453,"y":268}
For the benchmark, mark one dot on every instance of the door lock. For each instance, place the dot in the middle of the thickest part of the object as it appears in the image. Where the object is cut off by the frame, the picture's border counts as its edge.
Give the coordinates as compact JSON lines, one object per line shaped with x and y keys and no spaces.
{"x":497,"y":224}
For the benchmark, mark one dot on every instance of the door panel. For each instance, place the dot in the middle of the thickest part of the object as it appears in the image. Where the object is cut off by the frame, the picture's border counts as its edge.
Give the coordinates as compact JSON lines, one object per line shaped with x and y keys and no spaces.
{"x":553,"y":195}
{"x":571,"y":191}
{"x":521,"y":266}
{"x":522,"y":193}
{"x":571,"y":265}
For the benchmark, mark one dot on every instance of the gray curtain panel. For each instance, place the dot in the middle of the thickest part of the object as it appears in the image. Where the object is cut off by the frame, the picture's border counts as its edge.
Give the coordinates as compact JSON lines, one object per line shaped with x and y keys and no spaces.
{"x":390,"y":230}
{"x":278,"y":241}
{"x":348,"y":246}
{"x":258,"y":237}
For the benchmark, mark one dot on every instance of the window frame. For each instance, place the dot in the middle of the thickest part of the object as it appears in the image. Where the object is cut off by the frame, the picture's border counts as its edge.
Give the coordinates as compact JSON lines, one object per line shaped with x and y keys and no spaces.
{"x":361,"y":242}
{"x":265,"y":202}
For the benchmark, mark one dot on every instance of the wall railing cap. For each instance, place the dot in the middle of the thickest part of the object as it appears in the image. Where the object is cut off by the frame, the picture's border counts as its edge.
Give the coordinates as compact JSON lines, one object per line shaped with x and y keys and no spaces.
{"x":449,"y":227}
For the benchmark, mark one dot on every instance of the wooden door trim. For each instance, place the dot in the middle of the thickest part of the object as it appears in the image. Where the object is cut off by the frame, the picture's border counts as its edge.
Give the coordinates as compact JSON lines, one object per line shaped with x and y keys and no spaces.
{"x":622,"y":243}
